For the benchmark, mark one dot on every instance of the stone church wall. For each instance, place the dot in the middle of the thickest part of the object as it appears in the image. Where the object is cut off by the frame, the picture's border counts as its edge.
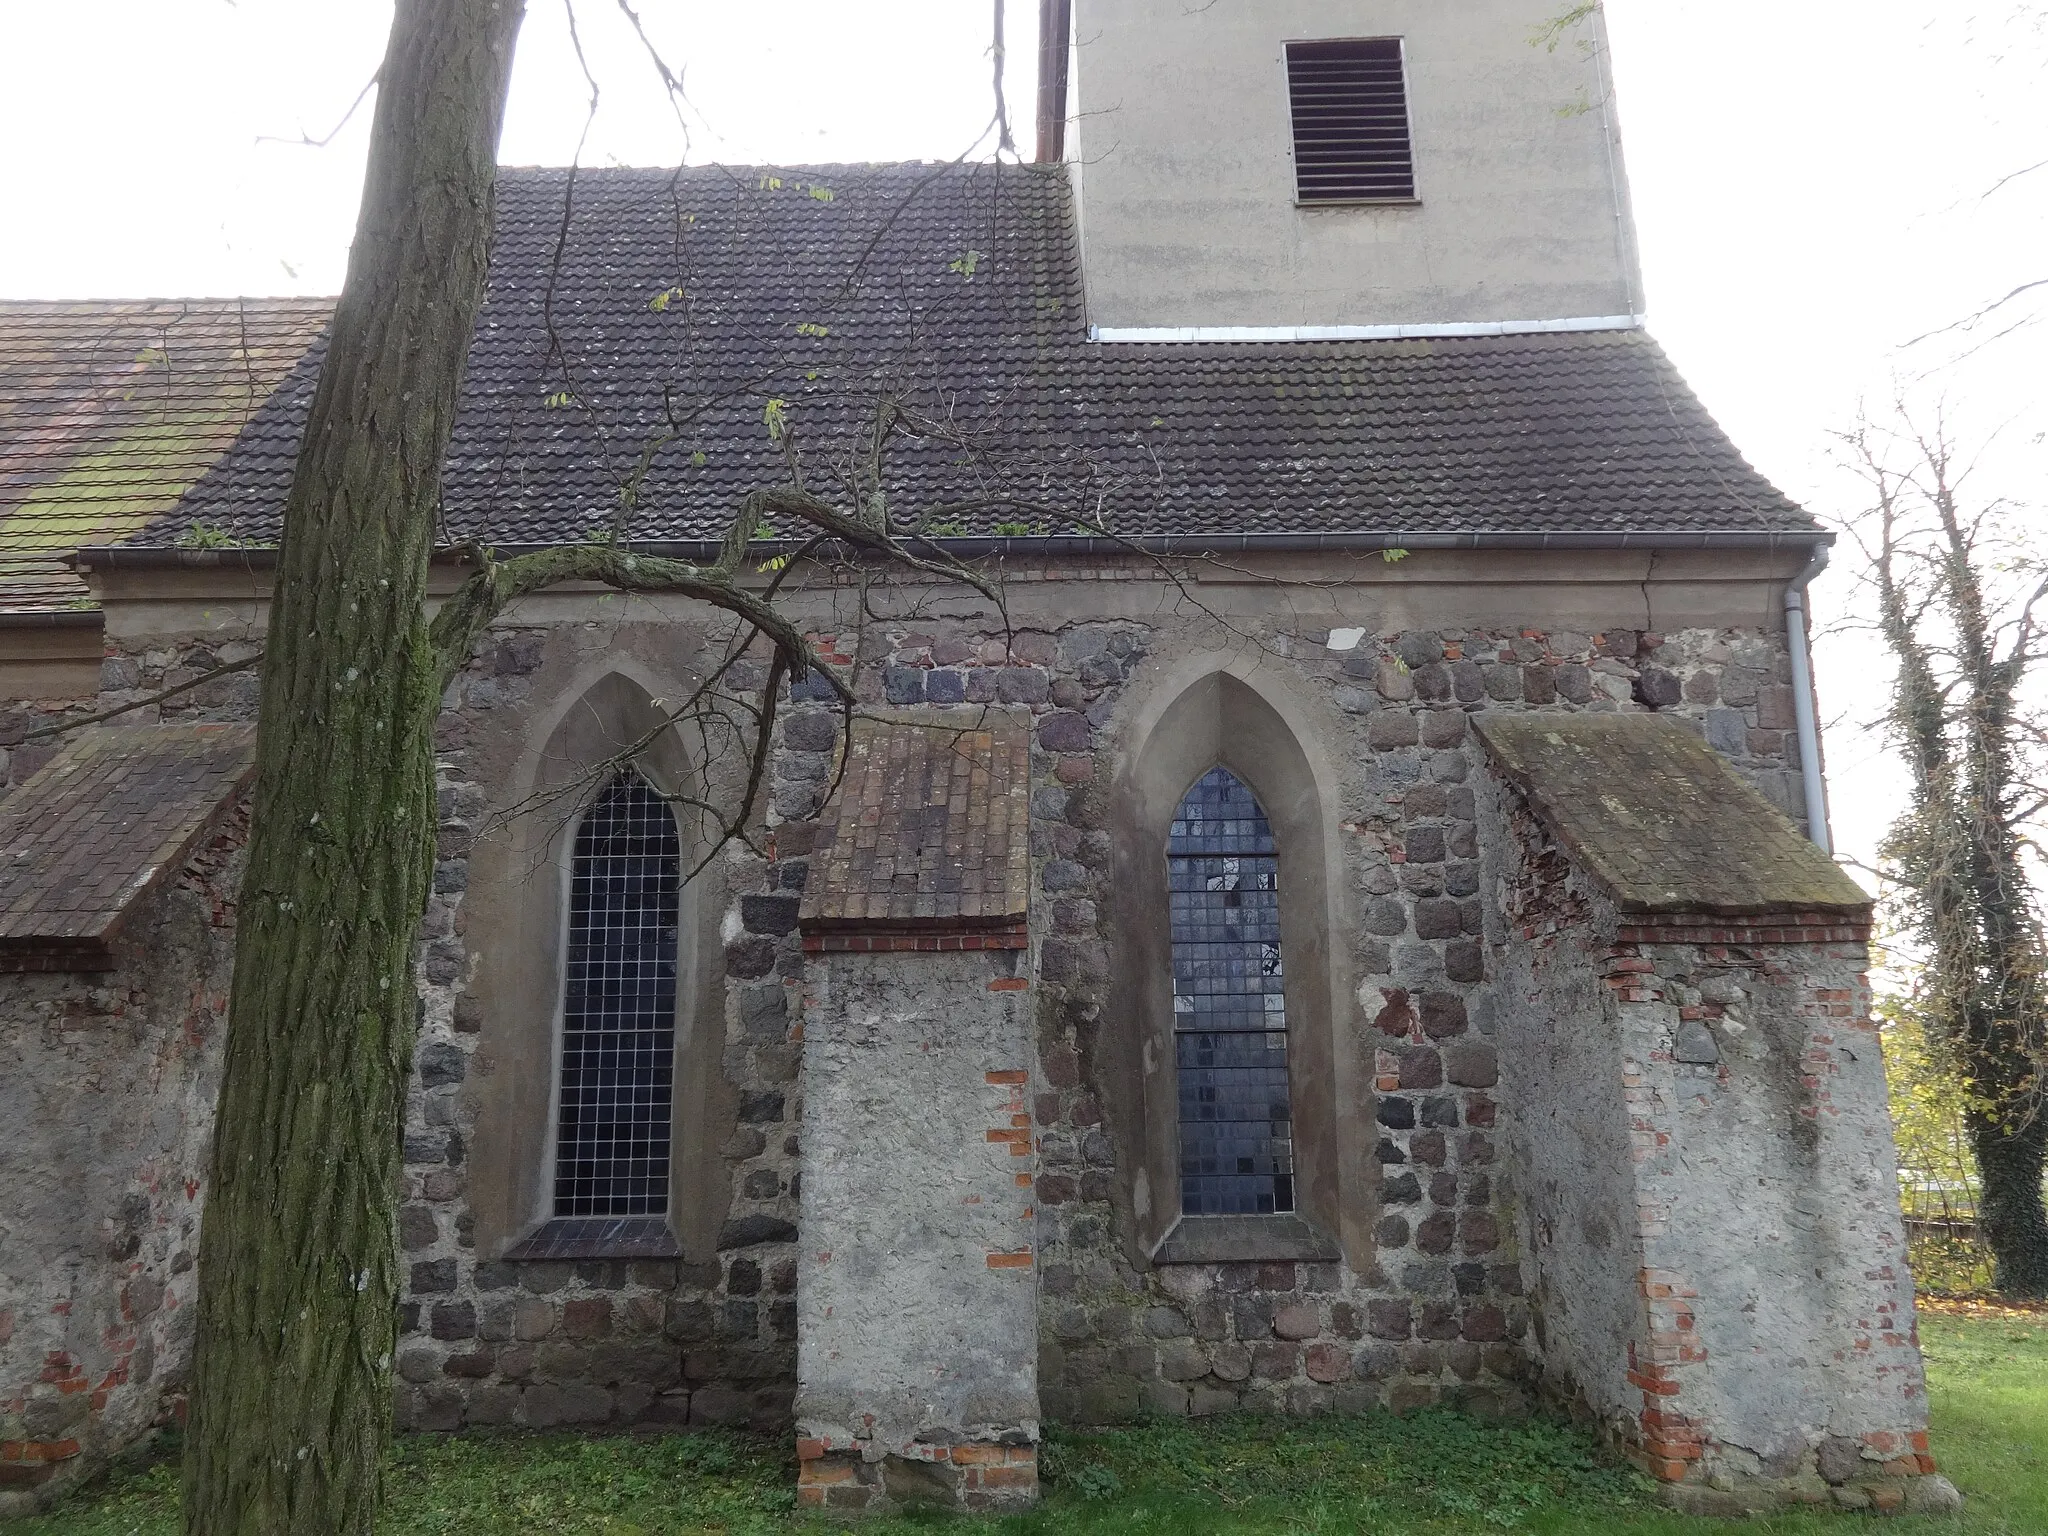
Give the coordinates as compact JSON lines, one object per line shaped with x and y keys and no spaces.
{"x":1431,"y":1304}
{"x":107,"y":1110}
{"x":1435,"y":1307}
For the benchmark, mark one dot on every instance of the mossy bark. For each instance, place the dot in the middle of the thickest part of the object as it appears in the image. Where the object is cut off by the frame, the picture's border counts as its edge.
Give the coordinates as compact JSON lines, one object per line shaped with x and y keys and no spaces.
{"x":2009,"y":1207}
{"x":291,"y":1389}
{"x":1959,"y":849}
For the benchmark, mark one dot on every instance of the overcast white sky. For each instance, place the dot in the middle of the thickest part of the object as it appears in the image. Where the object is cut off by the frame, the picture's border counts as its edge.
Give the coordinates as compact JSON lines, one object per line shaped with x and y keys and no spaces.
{"x":1810,"y":179}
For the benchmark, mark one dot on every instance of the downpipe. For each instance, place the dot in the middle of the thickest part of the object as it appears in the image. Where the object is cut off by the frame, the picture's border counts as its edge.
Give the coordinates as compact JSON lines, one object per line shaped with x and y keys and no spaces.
{"x":1804,"y":712}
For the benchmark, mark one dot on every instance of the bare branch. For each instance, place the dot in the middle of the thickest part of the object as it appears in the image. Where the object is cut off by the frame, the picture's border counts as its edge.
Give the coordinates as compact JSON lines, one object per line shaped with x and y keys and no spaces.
{"x":122,"y":709}
{"x":328,"y":137}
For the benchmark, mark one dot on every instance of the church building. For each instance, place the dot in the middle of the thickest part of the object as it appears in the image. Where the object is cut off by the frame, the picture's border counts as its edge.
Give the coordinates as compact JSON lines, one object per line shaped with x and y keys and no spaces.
{"x":1344,"y":921}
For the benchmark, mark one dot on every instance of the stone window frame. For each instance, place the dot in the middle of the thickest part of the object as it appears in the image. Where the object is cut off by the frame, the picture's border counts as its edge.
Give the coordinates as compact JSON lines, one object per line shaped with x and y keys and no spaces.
{"x":519,"y":908}
{"x":1209,"y":716}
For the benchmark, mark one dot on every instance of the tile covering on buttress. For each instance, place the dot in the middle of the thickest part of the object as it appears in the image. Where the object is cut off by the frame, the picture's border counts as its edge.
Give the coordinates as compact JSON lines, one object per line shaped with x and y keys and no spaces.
{"x":1661,"y":821}
{"x":930,"y":828}
{"x":95,"y":830}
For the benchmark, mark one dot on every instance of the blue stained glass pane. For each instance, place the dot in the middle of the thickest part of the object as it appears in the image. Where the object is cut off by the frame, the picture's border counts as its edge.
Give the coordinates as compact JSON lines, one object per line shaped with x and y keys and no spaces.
{"x":1229,"y":1007}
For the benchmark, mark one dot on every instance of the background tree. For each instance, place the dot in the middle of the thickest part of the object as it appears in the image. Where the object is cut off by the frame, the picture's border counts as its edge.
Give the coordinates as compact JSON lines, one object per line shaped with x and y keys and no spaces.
{"x":1957,"y":590}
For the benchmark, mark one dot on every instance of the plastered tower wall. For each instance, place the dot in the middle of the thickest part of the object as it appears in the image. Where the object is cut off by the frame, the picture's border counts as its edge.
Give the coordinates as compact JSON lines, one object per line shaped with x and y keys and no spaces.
{"x":1183,"y":160}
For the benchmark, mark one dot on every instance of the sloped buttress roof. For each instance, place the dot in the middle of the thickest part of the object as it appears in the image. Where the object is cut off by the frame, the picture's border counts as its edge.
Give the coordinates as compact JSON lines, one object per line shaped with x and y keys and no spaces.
{"x":672,"y":313}
{"x":110,"y":411}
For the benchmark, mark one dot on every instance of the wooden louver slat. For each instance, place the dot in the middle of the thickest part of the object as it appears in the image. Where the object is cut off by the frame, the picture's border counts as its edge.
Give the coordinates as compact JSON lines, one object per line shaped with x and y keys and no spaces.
{"x":1350,"y":107}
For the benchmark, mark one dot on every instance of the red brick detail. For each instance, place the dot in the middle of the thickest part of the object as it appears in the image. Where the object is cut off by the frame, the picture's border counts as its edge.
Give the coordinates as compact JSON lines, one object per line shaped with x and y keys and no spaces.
{"x":1766,"y":928}
{"x":1009,"y":984}
{"x":37,"y":1452}
{"x":923,"y":943}
{"x":1008,"y":1078}
{"x":1018,"y":1260}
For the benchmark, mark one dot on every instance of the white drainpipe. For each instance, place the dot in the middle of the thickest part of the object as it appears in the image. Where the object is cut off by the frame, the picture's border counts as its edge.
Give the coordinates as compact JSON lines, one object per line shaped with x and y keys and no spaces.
{"x":1803,"y":701}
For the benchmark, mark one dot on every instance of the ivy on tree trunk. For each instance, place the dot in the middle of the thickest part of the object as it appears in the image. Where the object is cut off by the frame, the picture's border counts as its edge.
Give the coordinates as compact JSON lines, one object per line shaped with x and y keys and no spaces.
{"x":298,"y":1270}
{"x":1956,"y":711}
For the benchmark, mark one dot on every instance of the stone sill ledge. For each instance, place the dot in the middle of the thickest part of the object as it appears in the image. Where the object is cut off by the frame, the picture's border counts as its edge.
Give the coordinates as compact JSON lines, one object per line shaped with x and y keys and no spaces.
{"x":1244,"y":1240}
{"x":597,"y":1237}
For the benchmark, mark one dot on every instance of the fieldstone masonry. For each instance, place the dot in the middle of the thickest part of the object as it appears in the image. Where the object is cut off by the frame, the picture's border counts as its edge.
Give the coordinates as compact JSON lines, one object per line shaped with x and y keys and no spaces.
{"x":1455,"y":1291}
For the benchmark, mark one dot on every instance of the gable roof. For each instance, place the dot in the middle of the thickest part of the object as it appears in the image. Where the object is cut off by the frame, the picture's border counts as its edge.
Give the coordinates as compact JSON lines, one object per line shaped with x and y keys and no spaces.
{"x":684,"y":302}
{"x":110,"y":411}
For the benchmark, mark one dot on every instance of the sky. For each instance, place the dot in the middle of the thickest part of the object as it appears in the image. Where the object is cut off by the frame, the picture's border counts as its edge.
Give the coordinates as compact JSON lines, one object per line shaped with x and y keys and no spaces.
{"x":1817,"y":183}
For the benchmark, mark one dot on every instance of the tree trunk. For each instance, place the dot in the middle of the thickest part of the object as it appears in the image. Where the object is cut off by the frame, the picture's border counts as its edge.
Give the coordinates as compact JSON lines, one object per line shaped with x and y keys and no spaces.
{"x":2009,"y":1209}
{"x":1959,"y":850}
{"x":291,"y":1390}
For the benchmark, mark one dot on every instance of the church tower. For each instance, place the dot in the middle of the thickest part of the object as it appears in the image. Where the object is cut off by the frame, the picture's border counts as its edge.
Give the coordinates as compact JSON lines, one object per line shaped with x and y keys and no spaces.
{"x":1335,"y":168}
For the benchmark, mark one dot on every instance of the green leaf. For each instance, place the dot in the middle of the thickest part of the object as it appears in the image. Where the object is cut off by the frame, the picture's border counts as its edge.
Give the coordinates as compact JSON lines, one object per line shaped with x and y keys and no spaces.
{"x":965,"y":264}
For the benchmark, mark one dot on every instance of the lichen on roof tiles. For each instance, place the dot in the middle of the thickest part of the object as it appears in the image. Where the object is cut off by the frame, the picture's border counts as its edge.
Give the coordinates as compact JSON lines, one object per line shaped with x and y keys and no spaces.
{"x":109,"y":412}
{"x":1659,"y":820}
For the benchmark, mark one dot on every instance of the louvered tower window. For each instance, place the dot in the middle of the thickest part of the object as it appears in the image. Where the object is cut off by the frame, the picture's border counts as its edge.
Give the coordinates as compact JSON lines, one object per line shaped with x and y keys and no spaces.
{"x":619,"y":1007}
{"x":1229,"y":1004}
{"x":1351,"y":141}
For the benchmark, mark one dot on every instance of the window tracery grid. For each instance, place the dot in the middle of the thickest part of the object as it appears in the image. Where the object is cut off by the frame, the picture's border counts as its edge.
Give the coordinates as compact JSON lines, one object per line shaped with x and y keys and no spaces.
{"x":619,"y":1007}
{"x":1229,"y":1004}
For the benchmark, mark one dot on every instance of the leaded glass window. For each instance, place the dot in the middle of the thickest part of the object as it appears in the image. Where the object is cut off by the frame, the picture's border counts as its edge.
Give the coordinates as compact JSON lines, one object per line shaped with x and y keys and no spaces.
{"x":1229,"y":1006}
{"x":619,"y":1007}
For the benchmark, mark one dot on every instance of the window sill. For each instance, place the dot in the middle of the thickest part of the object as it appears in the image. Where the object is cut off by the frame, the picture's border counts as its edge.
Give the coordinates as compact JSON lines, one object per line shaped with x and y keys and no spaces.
{"x":598,"y":1237}
{"x":1244,"y":1240}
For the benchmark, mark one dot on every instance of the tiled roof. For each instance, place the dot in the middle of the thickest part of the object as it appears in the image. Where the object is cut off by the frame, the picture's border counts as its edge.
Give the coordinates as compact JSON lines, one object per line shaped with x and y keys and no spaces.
{"x":110,"y":411}
{"x":99,"y":826}
{"x":1661,"y":821}
{"x":686,"y":302}
{"x":930,"y":828}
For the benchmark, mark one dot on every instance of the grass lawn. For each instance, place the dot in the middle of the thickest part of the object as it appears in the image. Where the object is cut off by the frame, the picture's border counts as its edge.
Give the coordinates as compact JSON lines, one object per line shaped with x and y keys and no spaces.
{"x":1429,"y":1473}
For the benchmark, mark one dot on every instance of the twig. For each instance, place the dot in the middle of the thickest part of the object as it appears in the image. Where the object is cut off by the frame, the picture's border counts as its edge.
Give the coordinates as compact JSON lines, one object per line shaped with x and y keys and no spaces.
{"x":122,"y":709}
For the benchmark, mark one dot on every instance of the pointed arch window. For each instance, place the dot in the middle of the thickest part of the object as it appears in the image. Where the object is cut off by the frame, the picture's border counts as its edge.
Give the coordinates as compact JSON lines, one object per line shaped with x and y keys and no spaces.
{"x":619,"y":1007}
{"x":1229,"y":1004}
